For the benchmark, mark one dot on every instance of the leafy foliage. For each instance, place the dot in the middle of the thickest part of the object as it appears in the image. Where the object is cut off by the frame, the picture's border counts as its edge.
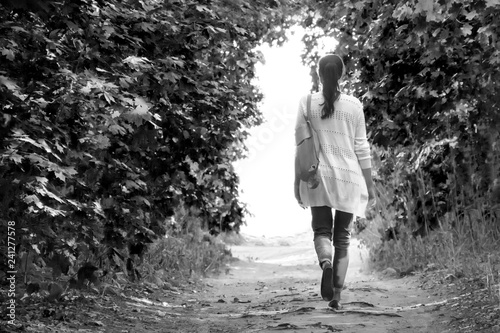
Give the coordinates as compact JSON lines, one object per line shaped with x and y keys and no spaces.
{"x":116,"y":114}
{"x":428,"y":74}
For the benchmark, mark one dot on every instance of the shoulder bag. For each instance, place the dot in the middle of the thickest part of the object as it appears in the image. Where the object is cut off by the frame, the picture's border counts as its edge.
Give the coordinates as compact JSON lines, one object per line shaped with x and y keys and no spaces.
{"x":307,"y":151}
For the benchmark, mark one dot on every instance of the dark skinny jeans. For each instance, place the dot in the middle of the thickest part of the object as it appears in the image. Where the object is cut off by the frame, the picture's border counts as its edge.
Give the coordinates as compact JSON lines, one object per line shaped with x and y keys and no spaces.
{"x":327,"y":229}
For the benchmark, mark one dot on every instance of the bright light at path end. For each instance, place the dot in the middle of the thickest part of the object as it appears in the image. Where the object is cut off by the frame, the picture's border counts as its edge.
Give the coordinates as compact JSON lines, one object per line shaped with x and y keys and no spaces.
{"x":267,"y":175}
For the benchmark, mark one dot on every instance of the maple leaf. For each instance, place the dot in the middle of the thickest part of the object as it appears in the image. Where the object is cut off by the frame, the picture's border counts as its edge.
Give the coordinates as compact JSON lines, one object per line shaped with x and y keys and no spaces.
{"x":102,"y":141}
{"x":492,"y":3}
{"x":402,"y":11}
{"x":9,"y":54}
{"x":60,"y":175}
{"x":14,"y":156}
{"x":426,"y":7}
{"x":467,"y":29}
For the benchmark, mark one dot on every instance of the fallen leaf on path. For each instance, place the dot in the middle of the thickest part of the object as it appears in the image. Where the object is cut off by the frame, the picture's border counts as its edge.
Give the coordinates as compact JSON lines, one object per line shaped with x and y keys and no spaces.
{"x":297,"y":299}
{"x":97,"y":323}
{"x":237,"y":300}
{"x":284,"y":326}
{"x":304,"y":309}
{"x":329,"y":328}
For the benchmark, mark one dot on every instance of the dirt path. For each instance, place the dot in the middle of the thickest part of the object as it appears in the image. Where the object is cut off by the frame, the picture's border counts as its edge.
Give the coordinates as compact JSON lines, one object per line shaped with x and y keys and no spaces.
{"x":273,"y":286}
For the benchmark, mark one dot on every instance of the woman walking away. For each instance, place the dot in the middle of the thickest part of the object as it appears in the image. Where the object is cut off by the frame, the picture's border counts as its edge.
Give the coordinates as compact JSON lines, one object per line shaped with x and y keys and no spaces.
{"x":344,"y":174}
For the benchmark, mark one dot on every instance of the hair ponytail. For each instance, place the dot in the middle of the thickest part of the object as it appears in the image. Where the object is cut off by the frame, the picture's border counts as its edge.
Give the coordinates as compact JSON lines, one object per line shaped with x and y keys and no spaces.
{"x":331,"y":68}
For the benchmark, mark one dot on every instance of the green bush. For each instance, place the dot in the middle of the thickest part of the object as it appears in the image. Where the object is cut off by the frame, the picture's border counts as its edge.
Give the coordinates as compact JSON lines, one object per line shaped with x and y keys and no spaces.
{"x":463,"y":243}
{"x":116,"y":114}
{"x":186,"y":251}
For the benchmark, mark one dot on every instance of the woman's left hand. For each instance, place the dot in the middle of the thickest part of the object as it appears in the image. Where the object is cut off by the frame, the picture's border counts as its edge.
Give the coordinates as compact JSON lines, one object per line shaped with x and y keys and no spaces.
{"x":297,"y":193}
{"x":296,"y":189}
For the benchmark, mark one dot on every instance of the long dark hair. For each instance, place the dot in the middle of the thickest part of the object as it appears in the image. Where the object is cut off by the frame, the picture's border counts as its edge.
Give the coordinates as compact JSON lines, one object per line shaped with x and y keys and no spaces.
{"x":331,"y":68}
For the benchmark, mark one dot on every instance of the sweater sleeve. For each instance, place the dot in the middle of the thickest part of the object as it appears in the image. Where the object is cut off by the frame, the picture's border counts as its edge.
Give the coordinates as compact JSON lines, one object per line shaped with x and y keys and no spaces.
{"x":300,"y":121}
{"x":361,"y":145}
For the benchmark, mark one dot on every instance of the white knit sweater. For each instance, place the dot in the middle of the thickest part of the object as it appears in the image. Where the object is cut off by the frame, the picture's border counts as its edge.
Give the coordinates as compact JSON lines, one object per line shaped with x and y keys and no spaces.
{"x":344,"y":152}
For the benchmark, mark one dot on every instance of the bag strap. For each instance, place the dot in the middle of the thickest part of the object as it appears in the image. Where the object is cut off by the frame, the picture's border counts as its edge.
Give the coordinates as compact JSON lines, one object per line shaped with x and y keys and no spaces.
{"x":308,"y":108}
{"x":315,"y":138}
